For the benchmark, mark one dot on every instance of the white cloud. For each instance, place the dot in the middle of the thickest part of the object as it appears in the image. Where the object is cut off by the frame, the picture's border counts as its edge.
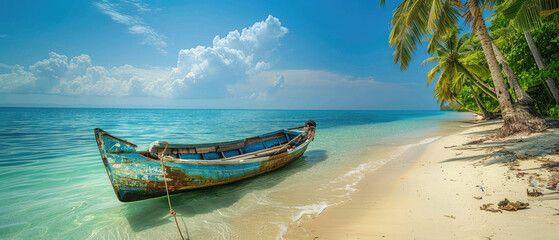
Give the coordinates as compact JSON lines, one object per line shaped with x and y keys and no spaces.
{"x":78,"y":76}
{"x":140,"y":6}
{"x":135,"y":24}
{"x":2,"y":65}
{"x":201,"y":72}
{"x":205,"y":71}
{"x":16,"y":80}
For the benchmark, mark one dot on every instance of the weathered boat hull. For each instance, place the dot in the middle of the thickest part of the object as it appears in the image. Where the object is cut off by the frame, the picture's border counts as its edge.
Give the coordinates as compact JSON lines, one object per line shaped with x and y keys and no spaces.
{"x":135,"y":176}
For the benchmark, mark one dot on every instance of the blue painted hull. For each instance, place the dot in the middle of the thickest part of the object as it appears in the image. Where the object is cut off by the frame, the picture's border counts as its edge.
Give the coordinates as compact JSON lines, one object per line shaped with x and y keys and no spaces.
{"x":137,"y":175}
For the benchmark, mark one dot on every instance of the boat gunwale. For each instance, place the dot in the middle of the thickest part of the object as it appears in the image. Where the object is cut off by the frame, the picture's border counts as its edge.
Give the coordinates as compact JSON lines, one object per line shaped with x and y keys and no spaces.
{"x":210,"y":144}
{"x":243,"y":158}
{"x":101,"y":131}
{"x":246,"y":159}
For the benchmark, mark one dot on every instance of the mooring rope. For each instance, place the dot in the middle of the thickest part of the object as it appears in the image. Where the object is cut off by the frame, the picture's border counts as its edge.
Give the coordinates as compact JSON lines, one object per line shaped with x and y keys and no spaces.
{"x":167,"y":190}
{"x":309,"y":134}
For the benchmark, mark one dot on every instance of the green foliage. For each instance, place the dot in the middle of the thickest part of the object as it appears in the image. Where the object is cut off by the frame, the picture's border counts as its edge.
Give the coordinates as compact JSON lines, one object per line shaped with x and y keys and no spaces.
{"x":533,"y":77}
{"x":528,"y":14}
{"x":467,"y":99}
{"x":553,"y":112}
{"x":514,"y":46}
{"x":516,"y":50}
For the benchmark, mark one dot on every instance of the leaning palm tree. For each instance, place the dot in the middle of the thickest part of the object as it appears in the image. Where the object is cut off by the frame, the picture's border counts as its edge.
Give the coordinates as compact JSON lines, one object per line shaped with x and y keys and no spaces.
{"x":522,"y":100}
{"x":454,"y":73}
{"x":414,"y":20}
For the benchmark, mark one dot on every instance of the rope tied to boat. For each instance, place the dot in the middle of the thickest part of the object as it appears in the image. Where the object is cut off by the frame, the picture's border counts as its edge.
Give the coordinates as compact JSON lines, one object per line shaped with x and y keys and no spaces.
{"x":167,"y":189}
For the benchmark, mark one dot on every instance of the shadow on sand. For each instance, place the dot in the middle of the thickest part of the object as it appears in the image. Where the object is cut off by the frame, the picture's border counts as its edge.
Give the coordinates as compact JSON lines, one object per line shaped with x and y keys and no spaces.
{"x":155,"y":212}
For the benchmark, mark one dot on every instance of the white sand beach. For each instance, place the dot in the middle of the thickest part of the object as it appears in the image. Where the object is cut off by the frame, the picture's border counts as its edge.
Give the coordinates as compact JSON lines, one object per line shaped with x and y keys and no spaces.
{"x":437,"y":192}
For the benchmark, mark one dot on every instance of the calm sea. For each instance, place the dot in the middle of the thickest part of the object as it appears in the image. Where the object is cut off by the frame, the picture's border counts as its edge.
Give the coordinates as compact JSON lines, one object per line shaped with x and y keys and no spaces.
{"x":54,"y":185}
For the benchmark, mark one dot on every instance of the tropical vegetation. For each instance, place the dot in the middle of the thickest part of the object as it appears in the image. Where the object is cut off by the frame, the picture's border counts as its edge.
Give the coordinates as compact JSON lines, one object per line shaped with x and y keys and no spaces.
{"x":507,"y":65}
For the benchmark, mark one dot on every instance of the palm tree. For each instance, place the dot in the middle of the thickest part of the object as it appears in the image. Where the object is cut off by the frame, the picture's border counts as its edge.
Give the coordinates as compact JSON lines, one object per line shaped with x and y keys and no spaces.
{"x":454,"y":73}
{"x":525,"y":15}
{"x":415,"y":19}
{"x":515,"y":120}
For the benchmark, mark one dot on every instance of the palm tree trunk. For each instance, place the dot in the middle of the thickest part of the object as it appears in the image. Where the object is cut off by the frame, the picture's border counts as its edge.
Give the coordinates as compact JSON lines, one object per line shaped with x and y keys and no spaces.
{"x":479,"y":83}
{"x":454,"y":98}
{"x":522,"y":98}
{"x":541,"y":65}
{"x":491,"y":93}
{"x":515,"y":120}
{"x":486,"y":114}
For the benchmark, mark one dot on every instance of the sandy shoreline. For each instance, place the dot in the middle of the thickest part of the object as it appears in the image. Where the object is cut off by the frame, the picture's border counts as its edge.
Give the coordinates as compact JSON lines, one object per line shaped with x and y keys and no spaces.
{"x":433,"y":192}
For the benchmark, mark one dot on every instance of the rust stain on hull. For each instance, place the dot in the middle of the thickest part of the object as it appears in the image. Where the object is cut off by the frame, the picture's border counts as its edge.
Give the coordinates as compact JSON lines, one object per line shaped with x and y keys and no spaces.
{"x":178,"y":181}
{"x":139,"y":175}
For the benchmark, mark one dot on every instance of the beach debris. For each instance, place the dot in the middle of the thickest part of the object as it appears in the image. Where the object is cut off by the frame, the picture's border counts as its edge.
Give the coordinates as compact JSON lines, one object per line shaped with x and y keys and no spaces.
{"x":521,"y":174}
{"x":487,"y":207}
{"x":554,"y":186}
{"x":534,"y":193}
{"x":481,"y":187}
{"x":502,"y":152}
{"x":478,"y":198}
{"x":550,"y":165}
{"x":450,"y":146}
{"x":450,"y":216}
{"x":512,"y":206}
{"x":510,"y":159}
{"x":478,"y":141}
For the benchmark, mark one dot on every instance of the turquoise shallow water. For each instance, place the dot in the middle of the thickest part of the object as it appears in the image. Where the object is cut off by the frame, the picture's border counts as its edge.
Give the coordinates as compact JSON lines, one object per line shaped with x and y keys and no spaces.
{"x":55,"y":185}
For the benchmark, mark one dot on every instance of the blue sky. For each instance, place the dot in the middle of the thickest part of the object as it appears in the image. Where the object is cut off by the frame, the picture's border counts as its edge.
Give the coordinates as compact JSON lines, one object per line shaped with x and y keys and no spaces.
{"x":204,"y":54}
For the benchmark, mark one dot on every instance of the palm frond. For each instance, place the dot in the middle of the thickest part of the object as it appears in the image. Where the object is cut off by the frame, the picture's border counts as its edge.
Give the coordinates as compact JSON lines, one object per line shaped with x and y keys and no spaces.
{"x":415,"y":19}
{"x":547,"y":13}
{"x":528,"y":14}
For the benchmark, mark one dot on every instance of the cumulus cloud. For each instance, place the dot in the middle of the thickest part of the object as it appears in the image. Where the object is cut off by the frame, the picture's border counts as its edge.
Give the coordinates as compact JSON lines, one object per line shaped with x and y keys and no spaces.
{"x":134,"y":23}
{"x":231,"y":59}
{"x":78,"y":76}
{"x":16,"y":80}
{"x":201,"y":72}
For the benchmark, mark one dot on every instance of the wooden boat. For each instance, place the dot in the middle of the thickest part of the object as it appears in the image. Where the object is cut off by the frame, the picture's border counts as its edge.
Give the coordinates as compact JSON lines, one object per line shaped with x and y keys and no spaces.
{"x":137,"y":175}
